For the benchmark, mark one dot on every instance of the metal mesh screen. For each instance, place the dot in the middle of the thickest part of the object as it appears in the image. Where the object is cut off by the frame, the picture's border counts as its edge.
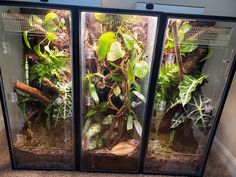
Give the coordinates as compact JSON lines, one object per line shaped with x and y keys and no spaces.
{"x":210,"y":36}
{"x":16,"y":22}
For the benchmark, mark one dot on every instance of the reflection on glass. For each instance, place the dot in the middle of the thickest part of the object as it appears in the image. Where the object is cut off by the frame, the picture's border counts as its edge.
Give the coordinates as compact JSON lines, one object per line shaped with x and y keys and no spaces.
{"x":189,"y":87}
{"x":36,"y":70}
{"x":117,"y":53}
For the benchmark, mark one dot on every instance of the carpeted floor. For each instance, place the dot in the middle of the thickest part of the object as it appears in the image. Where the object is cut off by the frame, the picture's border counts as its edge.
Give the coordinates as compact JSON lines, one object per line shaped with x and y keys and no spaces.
{"x":214,"y":168}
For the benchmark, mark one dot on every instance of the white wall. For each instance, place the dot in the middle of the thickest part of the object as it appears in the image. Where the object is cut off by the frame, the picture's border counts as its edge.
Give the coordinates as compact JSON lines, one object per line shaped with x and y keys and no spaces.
{"x":226,"y":132}
{"x":94,"y":3}
{"x":212,"y":7}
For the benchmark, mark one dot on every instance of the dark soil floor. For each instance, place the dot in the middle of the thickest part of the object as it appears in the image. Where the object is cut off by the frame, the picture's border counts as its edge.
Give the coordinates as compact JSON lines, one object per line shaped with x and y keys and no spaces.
{"x":214,"y":168}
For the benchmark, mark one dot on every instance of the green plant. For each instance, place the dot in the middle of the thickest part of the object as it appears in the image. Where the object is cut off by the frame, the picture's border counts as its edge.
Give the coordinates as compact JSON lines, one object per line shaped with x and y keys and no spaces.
{"x":186,"y":46}
{"x":167,"y":78}
{"x":120,"y":69}
{"x":186,"y":88}
{"x":52,"y":66}
{"x":52,"y":62}
{"x":178,"y":90}
{"x":61,"y":108}
{"x":194,"y":105}
{"x":48,"y":27}
{"x":189,"y":85}
{"x":198,"y":110}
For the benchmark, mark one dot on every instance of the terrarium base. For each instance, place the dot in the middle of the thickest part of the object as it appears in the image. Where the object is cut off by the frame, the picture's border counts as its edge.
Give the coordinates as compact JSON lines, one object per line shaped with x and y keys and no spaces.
{"x":106,"y":161}
{"x":177,"y":163}
{"x":36,"y":157}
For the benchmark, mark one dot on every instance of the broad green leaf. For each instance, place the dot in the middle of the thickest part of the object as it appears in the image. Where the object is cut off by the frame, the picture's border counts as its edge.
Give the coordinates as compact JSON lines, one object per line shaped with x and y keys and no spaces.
{"x":97,"y":108}
{"x":185,"y":27}
{"x":188,"y":85}
{"x":141,"y":69}
{"x":209,"y":55}
{"x":93,"y":130}
{"x":51,"y":36}
{"x":183,"y":30}
{"x":133,"y":56}
{"x":115,"y":52}
{"x":129,"y":41}
{"x":177,"y":120}
{"x":137,"y":87}
{"x":169,"y":45}
{"x":49,"y":26}
{"x":100,"y":16}
{"x":39,"y":53}
{"x":138,"y":127}
{"x":50,"y":16}
{"x":62,"y":24}
{"x":117,"y":90}
{"x":25,"y":36}
{"x":103,"y":106}
{"x":173,"y":104}
{"x":140,"y":96}
{"x":91,"y":112}
{"x":35,"y":20}
{"x":108,"y":119}
{"x":187,"y":48}
{"x":113,"y":64}
{"x":198,"y":111}
{"x":116,"y":77}
{"x":104,"y":44}
{"x":130,"y":122}
{"x":86,"y":126}
{"x":93,"y":93}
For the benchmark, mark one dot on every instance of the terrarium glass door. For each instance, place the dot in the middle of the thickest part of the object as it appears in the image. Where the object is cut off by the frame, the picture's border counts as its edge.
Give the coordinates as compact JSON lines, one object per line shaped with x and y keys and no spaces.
{"x":196,"y":59}
{"x":116,"y":54}
{"x":35,"y":62}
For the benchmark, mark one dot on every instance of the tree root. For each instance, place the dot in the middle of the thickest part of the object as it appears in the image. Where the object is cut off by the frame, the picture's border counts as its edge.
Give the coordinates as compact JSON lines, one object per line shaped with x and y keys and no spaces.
{"x":32,"y":91}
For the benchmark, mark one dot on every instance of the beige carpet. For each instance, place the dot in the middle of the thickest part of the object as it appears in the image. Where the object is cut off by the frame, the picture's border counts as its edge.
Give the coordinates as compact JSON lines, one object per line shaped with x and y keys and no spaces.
{"x":214,"y":168}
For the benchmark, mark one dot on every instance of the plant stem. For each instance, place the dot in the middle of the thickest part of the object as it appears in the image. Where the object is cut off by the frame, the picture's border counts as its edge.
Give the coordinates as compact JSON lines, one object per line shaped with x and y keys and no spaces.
{"x":172,"y":137}
{"x":42,"y":41}
{"x":26,"y":70}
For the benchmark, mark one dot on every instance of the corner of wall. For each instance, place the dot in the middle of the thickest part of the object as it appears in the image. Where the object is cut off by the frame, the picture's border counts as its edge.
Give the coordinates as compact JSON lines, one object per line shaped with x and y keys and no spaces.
{"x":224,"y":156}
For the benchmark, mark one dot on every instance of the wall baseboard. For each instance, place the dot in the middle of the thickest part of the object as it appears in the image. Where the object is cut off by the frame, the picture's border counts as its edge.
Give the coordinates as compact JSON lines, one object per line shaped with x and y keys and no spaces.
{"x":224,"y":156}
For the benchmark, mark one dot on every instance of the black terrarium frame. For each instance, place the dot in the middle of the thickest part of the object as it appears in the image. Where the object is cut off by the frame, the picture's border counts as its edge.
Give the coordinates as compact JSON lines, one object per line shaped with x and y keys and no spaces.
{"x":74,"y":69}
{"x":77,"y":82}
{"x":153,"y":59}
{"x":155,"y":76}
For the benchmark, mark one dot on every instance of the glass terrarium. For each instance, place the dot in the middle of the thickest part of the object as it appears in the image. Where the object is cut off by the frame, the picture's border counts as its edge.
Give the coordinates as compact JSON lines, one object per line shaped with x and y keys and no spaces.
{"x":196,"y":59}
{"x":36,"y":74}
{"x":145,"y":95}
{"x":116,"y":52}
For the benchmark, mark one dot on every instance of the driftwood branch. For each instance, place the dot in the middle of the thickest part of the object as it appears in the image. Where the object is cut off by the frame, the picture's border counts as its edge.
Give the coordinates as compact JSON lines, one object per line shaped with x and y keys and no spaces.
{"x":47,"y":83}
{"x":177,"y":50}
{"x":32,"y":91}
